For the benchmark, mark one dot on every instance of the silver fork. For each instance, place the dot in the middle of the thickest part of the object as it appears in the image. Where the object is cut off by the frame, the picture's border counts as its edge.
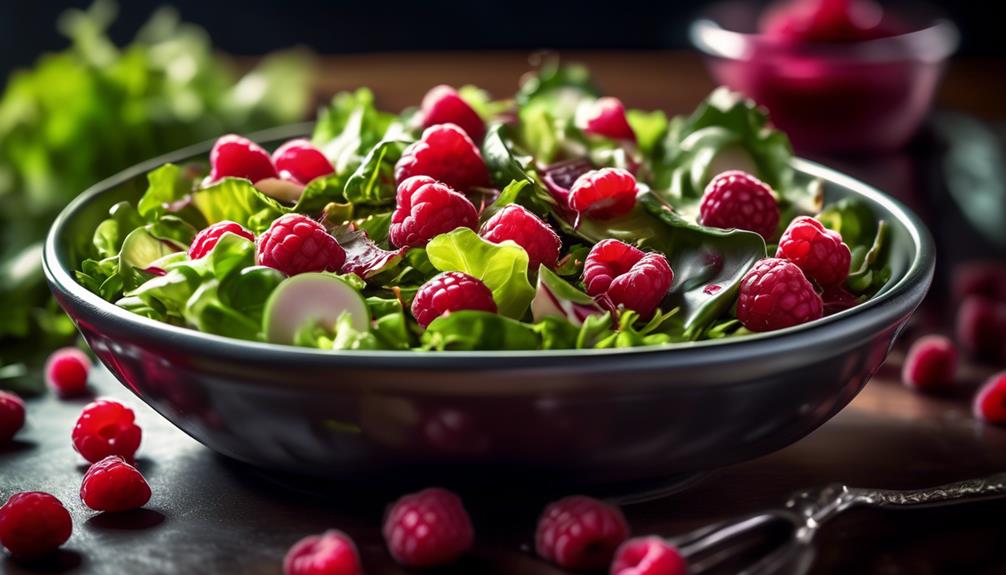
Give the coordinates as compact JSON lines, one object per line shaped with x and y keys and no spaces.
{"x":779,"y":541}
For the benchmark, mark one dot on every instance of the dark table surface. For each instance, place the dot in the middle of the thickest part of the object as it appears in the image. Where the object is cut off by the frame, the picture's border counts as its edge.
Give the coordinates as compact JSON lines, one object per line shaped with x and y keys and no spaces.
{"x":211,"y":515}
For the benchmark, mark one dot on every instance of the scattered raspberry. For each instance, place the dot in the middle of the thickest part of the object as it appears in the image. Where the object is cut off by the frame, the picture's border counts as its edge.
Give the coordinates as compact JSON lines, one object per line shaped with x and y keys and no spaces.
{"x":299,"y":161}
{"x":207,"y":238}
{"x":295,"y":244}
{"x":627,"y":276}
{"x":516,"y":223}
{"x":428,"y":528}
{"x":818,"y":251}
{"x":986,"y":279}
{"x":450,"y":291}
{"x":331,"y":553}
{"x":447,"y":154}
{"x":648,"y":556}
{"x":775,"y":294}
{"x":238,"y":157}
{"x":605,"y":117}
{"x":33,"y":524}
{"x":738,"y":200}
{"x":443,"y":105}
{"x":990,"y":403}
{"x":578,"y":532}
{"x":114,"y":485}
{"x":11,"y":416}
{"x":931,"y":364}
{"x":66,"y":371}
{"x":981,"y":328}
{"x":106,"y":427}
{"x":603,"y":194}
{"x":427,"y":208}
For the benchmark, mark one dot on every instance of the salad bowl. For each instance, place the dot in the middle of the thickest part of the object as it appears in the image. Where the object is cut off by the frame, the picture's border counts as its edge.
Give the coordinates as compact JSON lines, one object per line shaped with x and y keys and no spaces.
{"x":569,"y":416}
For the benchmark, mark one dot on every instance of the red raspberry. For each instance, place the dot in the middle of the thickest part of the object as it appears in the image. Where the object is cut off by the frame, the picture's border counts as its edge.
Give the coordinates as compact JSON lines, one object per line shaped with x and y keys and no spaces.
{"x":104,"y":428}
{"x":818,"y":251}
{"x":981,"y":328}
{"x":238,"y":157}
{"x":427,"y":208}
{"x":450,"y":291}
{"x":627,"y":276}
{"x":66,"y":371}
{"x":775,"y":294}
{"x":648,"y":556}
{"x":33,"y":524}
{"x":931,"y":364}
{"x":447,"y":154}
{"x":443,"y":105}
{"x":606,"y":117}
{"x":516,"y":223}
{"x":114,"y":485}
{"x":738,"y":200}
{"x":428,"y":528}
{"x":980,"y":278}
{"x":603,"y":194}
{"x":331,"y":553}
{"x":578,"y":532}
{"x":11,"y":416}
{"x":207,"y":238}
{"x":990,"y":403}
{"x":299,"y":161}
{"x":295,"y":244}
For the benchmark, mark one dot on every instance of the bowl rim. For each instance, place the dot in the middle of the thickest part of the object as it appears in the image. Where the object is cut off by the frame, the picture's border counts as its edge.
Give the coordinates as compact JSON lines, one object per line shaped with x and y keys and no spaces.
{"x":893,"y":300}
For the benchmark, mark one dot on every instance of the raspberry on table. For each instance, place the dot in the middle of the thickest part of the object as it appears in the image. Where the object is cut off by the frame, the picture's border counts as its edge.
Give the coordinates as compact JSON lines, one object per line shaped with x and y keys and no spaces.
{"x":603,"y":194}
{"x":627,"y":276}
{"x":238,"y":157}
{"x":33,"y":524}
{"x":428,"y":528}
{"x":579,"y":532}
{"x":990,"y":403}
{"x":981,"y":328}
{"x":931,"y":364}
{"x":738,"y":200}
{"x":444,"y":153}
{"x":106,"y":427}
{"x":207,"y":238}
{"x":66,"y":371}
{"x":818,"y":251}
{"x":515,"y":222}
{"x":443,"y":105}
{"x":605,"y":117}
{"x":451,"y":291}
{"x":296,"y":244}
{"x":331,"y":553}
{"x":426,"y":208}
{"x":775,"y":294}
{"x":11,"y":416}
{"x":648,"y":556}
{"x":114,"y":485}
{"x":300,"y":161}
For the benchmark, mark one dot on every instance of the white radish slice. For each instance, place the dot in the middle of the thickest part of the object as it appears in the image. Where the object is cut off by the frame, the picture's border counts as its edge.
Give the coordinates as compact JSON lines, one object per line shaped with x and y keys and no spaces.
{"x":282,"y":190}
{"x":311,"y":299}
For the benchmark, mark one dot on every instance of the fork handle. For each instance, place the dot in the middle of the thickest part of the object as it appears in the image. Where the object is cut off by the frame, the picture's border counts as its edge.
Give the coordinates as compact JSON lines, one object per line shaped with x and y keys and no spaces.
{"x":957,"y":492}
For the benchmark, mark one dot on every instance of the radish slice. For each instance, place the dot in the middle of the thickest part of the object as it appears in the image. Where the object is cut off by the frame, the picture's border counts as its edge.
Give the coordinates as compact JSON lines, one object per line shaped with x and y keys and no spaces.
{"x":311,"y":299}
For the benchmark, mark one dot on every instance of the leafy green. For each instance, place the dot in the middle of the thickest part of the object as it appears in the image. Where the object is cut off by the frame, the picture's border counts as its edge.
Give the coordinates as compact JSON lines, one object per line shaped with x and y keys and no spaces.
{"x":373,"y":182}
{"x":554,"y":297}
{"x":507,"y":169}
{"x":389,"y":324}
{"x":866,"y":237}
{"x":478,"y":330}
{"x":350,"y":126}
{"x":237,"y":200}
{"x":649,"y":128}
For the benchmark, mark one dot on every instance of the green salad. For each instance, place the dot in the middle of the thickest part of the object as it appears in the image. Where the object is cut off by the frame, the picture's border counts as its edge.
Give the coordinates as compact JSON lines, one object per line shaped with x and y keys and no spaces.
{"x":555,"y":219}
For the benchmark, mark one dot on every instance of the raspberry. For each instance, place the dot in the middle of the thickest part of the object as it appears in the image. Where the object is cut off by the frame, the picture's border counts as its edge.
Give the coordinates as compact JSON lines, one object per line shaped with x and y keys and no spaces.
{"x":605,"y":117}
{"x":980,"y":278}
{"x":33,"y":524}
{"x":818,"y":251}
{"x":331,"y":553}
{"x":578,"y":532}
{"x":443,"y":105}
{"x":447,"y":154}
{"x":627,"y":276}
{"x":428,"y":528}
{"x":990,"y":403}
{"x":775,"y":294}
{"x":295,"y":244}
{"x":238,"y":157}
{"x":931,"y":364}
{"x":738,"y":200}
{"x":981,"y":328}
{"x":207,"y":238}
{"x":427,"y":208}
{"x":603,"y":194}
{"x":104,"y":428}
{"x":114,"y":485}
{"x":299,"y":161}
{"x":450,"y":291}
{"x":516,"y":223}
{"x":11,"y":416}
{"x":648,"y":556}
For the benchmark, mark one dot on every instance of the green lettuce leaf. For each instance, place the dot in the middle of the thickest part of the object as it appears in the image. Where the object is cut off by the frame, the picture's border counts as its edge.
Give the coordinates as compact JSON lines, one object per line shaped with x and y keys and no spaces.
{"x":478,"y":330}
{"x":237,"y":200}
{"x":349,"y":127}
{"x":373,"y":182}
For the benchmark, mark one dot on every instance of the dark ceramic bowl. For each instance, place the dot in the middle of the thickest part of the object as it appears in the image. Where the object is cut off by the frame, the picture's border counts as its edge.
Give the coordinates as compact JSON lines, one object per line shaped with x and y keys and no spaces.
{"x":594,"y":416}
